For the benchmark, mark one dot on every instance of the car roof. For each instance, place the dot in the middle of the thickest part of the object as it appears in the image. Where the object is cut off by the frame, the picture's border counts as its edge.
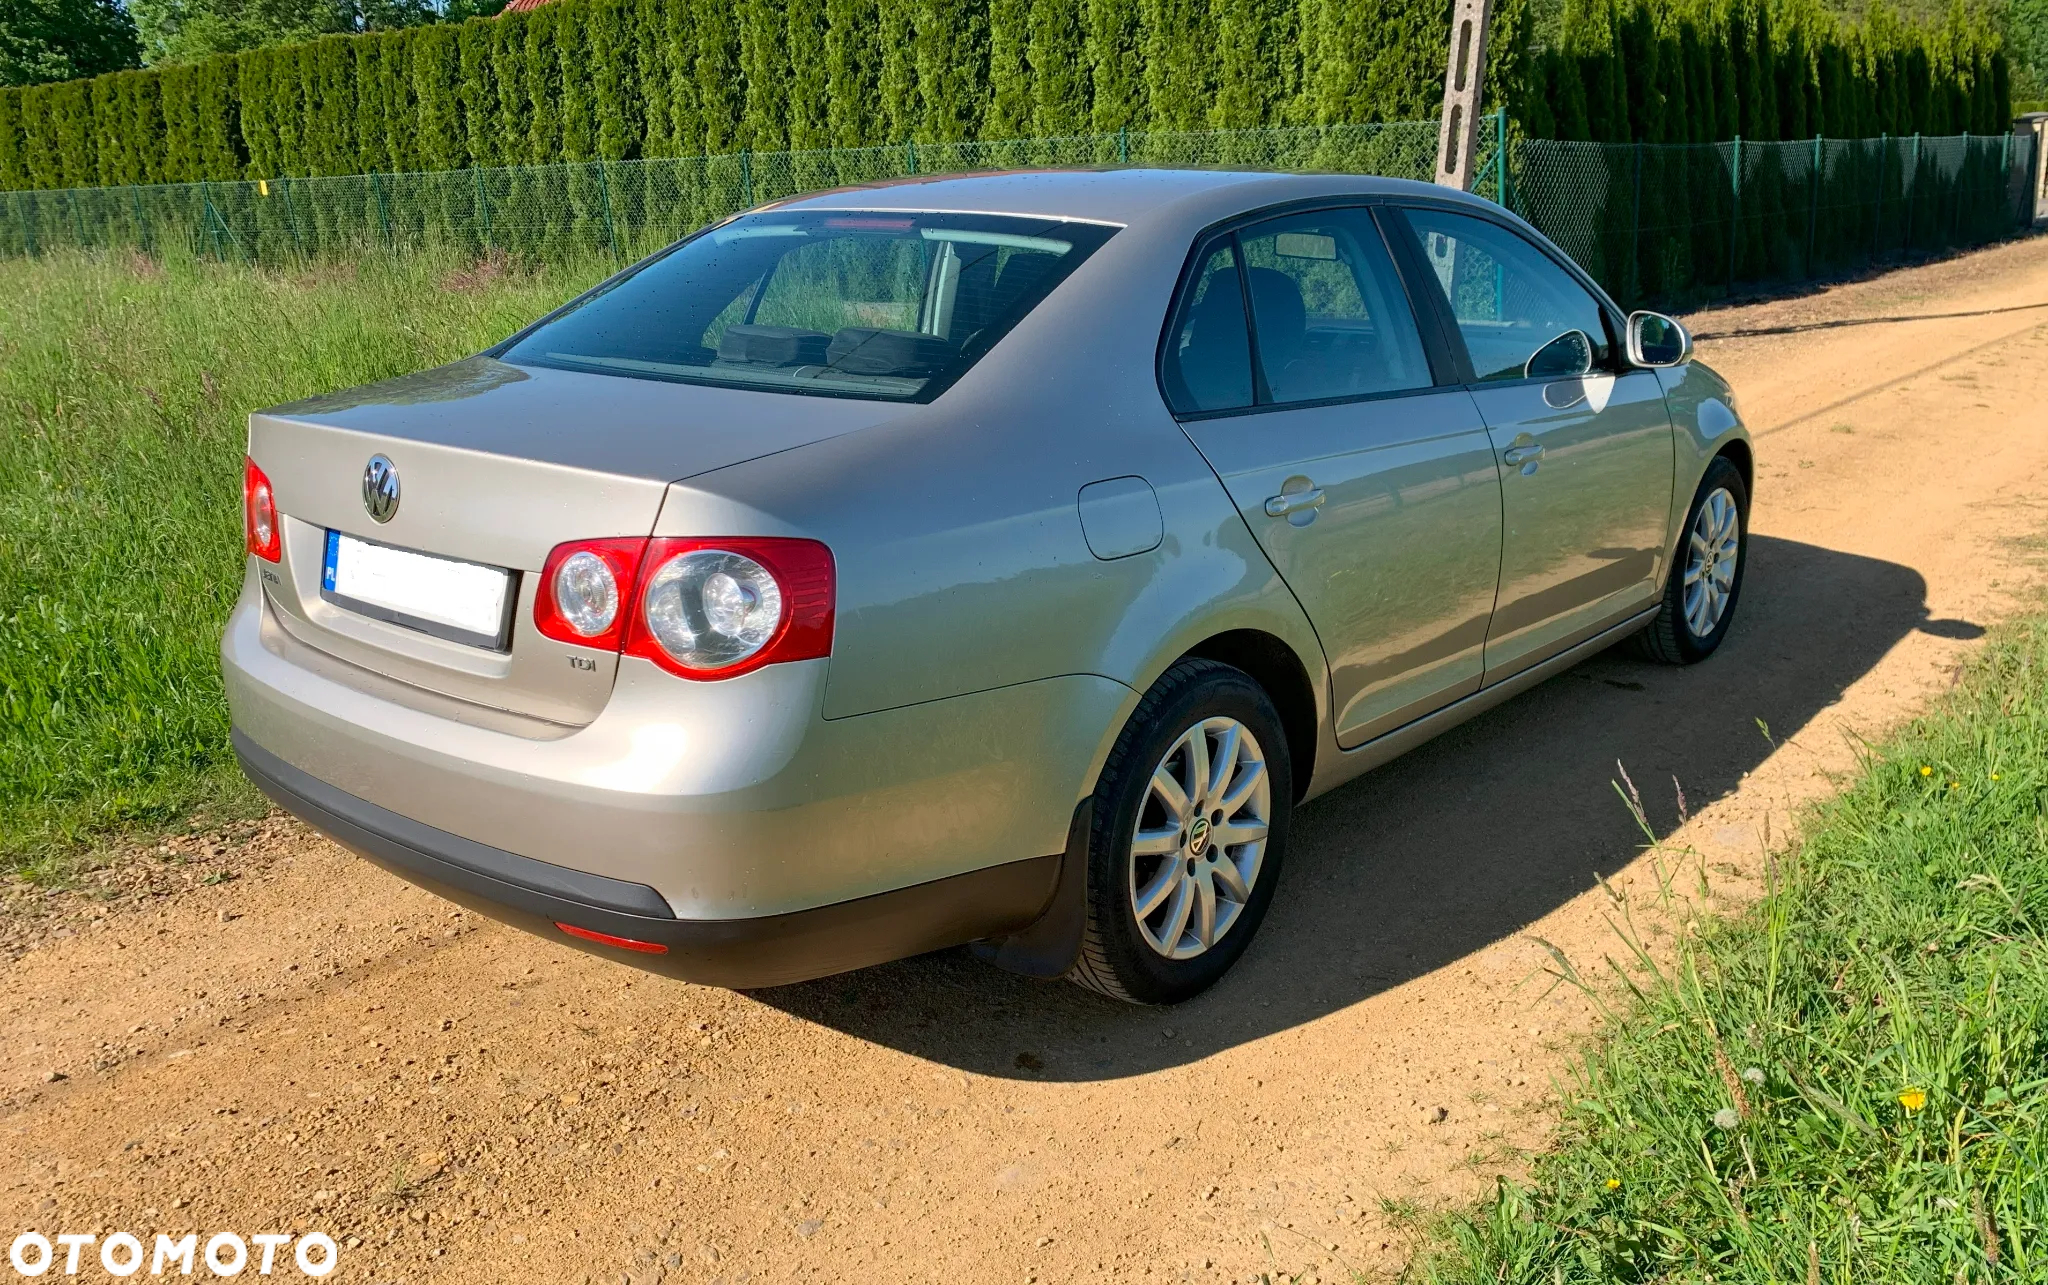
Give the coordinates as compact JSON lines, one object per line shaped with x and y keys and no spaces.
{"x":1108,"y":195}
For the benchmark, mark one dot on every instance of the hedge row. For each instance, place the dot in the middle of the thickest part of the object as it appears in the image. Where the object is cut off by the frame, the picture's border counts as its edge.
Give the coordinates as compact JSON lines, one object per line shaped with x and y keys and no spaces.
{"x":1657,"y":73}
{"x":1669,"y":222}
{"x":619,"y":79}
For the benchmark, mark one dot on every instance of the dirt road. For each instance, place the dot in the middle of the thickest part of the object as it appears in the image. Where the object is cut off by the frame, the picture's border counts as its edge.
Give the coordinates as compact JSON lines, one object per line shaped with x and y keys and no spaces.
{"x":313,"y":1044}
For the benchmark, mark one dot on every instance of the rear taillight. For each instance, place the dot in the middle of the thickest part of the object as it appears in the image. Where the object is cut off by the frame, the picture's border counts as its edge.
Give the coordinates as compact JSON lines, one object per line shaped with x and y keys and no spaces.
{"x":698,"y":607}
{"x":586,"y":591}
{"x":717,"y":608}
{"x":259,"y":514}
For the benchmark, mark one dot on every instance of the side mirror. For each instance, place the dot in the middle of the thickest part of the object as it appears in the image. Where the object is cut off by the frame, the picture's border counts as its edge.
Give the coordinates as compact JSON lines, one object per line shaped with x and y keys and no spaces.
{"x":1656,"y":340}
{"x":1565,"y":357}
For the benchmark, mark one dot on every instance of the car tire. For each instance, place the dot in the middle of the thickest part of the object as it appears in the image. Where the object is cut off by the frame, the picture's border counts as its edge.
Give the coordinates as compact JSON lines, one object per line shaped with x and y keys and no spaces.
{"x":1198,"y":887}
{"x":1689,"y":629}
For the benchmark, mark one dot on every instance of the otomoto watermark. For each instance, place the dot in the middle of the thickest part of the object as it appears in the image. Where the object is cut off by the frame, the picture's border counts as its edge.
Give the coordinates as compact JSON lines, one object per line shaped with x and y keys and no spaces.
{"x":221,"y":1254}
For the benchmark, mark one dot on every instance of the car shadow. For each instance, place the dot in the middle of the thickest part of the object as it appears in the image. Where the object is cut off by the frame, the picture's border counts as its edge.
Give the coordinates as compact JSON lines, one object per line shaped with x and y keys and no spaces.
{"x":1465,"y":841}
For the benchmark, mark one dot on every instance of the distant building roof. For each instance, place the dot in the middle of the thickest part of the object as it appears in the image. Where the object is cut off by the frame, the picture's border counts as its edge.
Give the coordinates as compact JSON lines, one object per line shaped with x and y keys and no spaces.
{"x":523,"y":6}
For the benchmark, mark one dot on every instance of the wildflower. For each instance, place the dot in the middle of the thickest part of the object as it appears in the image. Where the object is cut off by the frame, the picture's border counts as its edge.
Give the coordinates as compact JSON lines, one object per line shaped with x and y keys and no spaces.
{"x":1613,"y":1183}
{"x":1955,"y":785}
{"x":1995,"y":776}
{"x":1913,"y":1099}
{"x":1926,"y":770}
{"x":1755,"y":1075}
{"x":1727,"y":1118}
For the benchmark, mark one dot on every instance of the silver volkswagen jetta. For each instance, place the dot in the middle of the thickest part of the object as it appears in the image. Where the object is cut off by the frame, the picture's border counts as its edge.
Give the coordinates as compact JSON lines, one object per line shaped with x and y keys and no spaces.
{"x":994,"y":559}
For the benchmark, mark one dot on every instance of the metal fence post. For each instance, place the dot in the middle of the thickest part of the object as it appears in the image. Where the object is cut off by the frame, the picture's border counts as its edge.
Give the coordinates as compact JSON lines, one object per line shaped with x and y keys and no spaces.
{"x":1735,"y":207}
{"x":910,"y":153}
{"x":77,"y":219}
{"x":604,"y":197}
{"x":1123,"y":147}
{"x":28,"y":227}
{"x":1635,"y":244}
{"x":2005,"y":161}
{"x":1813,"y":204}
{"x":1911,"y":185}
{"x":291,"y":218}
{"x":141,"y":220}
{"x":1500,"y":154}
{"x":383,"y":209}
{"x":212,"y":217}
{"x":1884,"y":149}
{"x":1955,"y":215}
{"x":747,"y":176}
{"x":483,"y":205}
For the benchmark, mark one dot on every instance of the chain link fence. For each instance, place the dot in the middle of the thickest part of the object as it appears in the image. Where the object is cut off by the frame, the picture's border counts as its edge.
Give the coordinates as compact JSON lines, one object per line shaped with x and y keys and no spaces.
{"x":1659,"y":223}
{"x":1655,"y":223}
{"x":621,"y":208}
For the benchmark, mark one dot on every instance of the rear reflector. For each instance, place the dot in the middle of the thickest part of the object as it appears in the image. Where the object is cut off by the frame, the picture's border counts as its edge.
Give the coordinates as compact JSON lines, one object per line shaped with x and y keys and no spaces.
{"x":606,"y":939}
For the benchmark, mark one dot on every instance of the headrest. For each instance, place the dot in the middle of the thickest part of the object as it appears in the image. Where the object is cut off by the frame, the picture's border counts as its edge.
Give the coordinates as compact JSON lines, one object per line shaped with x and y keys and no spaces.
{"x":867,"y":350}
{"x":1277,"y":305}
{"x":773,"y":345}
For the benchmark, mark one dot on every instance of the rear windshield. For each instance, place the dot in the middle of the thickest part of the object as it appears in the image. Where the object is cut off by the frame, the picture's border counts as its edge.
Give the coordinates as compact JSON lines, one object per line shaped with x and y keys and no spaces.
{"x":839,"y":303}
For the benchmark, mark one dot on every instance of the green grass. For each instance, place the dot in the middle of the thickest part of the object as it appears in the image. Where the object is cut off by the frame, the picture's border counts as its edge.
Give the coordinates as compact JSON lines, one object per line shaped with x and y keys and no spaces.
{"x":1849,"y":1083}
{"x":124,"y":390}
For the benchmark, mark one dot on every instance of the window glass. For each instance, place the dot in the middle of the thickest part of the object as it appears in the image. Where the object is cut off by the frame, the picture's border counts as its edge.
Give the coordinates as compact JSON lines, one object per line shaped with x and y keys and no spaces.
{"x":1328,"y":312}
{"x":1510,"y":299}
{"x":838,"y":282}
{"x":844,"y":303}
{"x":1209,"y":362}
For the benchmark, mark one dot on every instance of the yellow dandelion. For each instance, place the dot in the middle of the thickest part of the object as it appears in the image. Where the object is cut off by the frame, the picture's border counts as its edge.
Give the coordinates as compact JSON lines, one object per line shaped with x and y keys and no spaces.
{"x":1612,"y":1183}
{"x":1996,"y":777}
{"x":1955,"y":785}
{"x":1926,"y":770}
{"x":1913,"y":1099}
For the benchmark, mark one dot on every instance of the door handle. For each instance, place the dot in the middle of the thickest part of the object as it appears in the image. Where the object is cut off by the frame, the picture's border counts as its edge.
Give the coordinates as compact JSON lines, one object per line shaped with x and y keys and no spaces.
{"x":1279,"y":506}
{"x":1523,"y":454}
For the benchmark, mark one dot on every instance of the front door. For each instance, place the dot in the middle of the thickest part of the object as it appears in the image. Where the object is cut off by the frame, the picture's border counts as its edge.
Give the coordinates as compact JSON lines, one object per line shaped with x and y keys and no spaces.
{"x":1370,"y":483}
{"x":1585,"y":443}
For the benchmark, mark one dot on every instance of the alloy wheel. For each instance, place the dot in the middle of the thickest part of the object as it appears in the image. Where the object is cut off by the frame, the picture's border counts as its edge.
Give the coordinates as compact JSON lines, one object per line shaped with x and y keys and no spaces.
{"x":1712,"y":549}
{"x":1200,"y":838}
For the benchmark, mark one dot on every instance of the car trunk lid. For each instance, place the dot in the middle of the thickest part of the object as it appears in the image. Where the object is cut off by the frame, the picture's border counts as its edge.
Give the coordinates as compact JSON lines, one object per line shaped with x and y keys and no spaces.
{"x":496,"y":465}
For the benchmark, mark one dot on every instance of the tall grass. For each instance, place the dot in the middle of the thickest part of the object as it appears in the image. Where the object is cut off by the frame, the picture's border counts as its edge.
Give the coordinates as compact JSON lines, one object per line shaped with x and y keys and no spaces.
{"x":1850,"y":1083}
{"x":124,"y":389}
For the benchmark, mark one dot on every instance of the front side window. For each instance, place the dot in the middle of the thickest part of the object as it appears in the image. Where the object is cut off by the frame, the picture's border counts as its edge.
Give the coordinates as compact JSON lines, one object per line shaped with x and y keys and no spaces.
{"x":1328,"y":313}
{"x":839,"y":303}
{"x":1511,"y":301}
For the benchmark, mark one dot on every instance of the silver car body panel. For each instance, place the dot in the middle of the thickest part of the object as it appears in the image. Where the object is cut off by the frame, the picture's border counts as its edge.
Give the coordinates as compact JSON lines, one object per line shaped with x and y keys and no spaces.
{"x":1585,"y":525}
{"x":986,"y":654}
{"x":1398,"y":567}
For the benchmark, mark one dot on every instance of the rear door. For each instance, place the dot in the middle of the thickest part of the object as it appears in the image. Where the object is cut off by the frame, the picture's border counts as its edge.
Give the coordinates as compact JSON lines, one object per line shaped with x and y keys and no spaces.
{"x":1365,"y":473}
{"x":1585,"y":442}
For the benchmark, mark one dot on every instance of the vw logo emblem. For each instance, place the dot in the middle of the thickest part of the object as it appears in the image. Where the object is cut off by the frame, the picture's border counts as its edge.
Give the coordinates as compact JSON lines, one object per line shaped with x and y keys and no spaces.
{"x":1198,"y":837}
{"x":380,"y":488}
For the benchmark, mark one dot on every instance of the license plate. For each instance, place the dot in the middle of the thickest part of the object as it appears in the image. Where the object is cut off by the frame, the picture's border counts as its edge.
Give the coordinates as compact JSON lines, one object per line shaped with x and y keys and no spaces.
{"x":465,"y":602}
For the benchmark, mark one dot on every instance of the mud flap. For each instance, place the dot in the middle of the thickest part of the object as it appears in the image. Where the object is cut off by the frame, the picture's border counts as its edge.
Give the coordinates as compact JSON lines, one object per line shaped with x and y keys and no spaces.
{"x":1048,"y":947}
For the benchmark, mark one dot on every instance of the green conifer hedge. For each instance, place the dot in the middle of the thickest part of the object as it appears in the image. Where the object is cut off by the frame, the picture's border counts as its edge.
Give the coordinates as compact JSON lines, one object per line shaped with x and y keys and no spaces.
{"x":1709,"y":70}
{"x":618,"y":79}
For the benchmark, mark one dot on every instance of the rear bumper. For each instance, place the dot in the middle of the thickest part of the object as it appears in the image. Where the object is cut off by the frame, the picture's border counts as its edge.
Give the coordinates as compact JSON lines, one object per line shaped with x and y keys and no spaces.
{"x":768,"y":950}
{"x":730,"y":801}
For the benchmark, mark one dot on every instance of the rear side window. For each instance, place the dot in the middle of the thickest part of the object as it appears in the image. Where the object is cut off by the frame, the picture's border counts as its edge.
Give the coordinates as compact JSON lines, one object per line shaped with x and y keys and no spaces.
{"x":1509,"y":298}
{"x":836,"y":303}
{"x":1209,"y":355}
{"x":1330,"y":316}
